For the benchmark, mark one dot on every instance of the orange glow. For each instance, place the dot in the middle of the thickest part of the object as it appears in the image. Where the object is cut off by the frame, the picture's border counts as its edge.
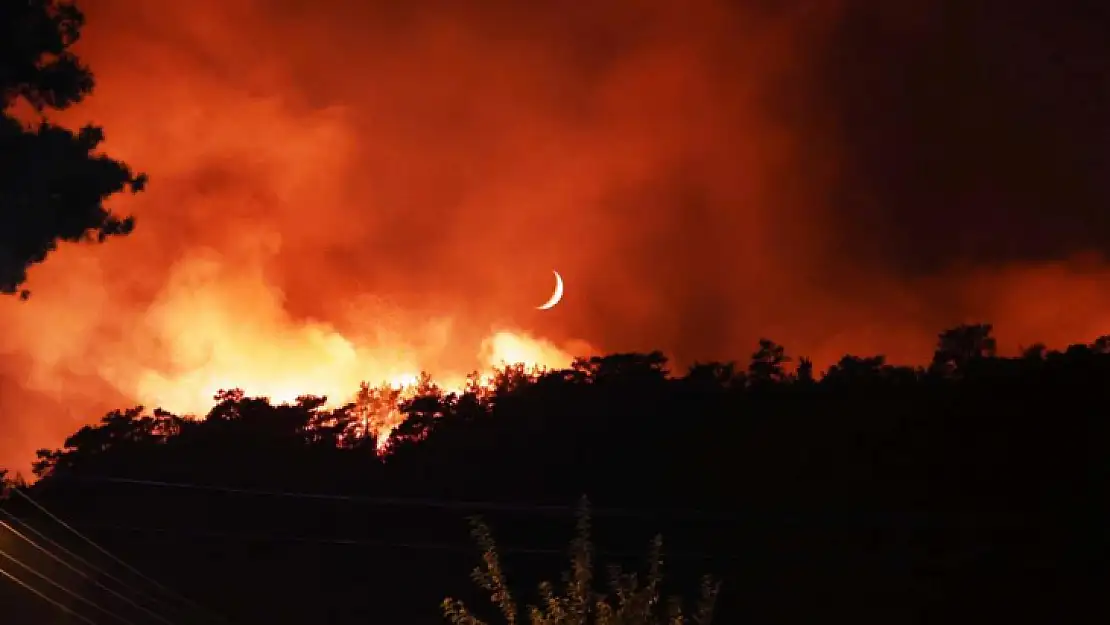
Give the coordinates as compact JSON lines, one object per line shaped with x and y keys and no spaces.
{"x":213,"y":342}
{"x":361,"y":191}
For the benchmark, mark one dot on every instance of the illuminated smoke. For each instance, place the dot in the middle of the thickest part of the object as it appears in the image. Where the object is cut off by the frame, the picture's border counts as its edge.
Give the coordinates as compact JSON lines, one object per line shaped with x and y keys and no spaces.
{"x":359,"y":191}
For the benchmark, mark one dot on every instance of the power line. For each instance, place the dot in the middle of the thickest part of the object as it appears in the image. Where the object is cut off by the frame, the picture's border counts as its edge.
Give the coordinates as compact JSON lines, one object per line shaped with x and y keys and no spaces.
{"x":377,"y":544}
{"x":41,"y":595}
{"x":804,"y":558}
{"x":59,"y":586}
{"x":199,"y":609}
{"x":27,"y":526}
{"x":907,"y":518}
{"x":76,"y":570}
{"x":491,"y":506}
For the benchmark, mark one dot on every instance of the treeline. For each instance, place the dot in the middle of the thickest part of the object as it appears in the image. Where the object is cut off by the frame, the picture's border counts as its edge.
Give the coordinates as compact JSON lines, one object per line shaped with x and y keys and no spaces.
{"x":961,"y":491}
{"x":965,"y":353}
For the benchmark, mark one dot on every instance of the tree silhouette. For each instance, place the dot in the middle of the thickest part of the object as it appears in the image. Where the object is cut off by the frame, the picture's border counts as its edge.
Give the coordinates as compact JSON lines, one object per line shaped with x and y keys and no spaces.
{"x":804,"y":373}
{"x":779,"y":485}
{"x":715,"y":375}
{"x":631,"y":602}
{"x":641,"y":368}
{"x":1101,"y":345}
{"x":960,"y":346}
{"x":1035,"y":352}
{"x":53,"y":182}
{"x":767,"y":363}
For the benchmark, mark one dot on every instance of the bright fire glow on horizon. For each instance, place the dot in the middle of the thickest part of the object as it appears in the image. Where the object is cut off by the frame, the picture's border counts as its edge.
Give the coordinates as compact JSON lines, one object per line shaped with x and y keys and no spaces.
{"x":338,"y":378}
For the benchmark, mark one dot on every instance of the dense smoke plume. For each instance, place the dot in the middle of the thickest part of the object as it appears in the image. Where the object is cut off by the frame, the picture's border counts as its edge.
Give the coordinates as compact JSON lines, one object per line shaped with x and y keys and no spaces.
{"x":347,"y":191}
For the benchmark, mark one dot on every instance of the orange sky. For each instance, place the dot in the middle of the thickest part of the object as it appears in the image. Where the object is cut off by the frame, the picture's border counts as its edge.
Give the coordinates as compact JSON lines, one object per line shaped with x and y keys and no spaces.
{"x":349,"y":191}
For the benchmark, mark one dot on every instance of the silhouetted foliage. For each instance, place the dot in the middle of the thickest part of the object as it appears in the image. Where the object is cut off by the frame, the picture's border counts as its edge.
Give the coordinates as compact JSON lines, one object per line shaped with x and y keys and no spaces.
{"x":875,"y":492}
{"x":768,"y":363}
{"x":961,"y":346}
{"x":804,"y":373}
{"x":53,"y":182}
{"x":631,"y":601}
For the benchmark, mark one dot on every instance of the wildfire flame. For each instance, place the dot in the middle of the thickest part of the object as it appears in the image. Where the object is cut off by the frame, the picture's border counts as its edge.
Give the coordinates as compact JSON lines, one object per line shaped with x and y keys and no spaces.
{"x":222,"y":330}
{"x":211,"y":346}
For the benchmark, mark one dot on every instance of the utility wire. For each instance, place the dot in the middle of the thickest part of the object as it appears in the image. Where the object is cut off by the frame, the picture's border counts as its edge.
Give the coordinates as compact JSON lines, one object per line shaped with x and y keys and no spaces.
{"x":76,"y":570}
{"x":492,"y":506}
{"x":43,"y":537}
{"x":46,"y":578}
{"x":788,"y":518}
{"x":38,"y":593}
{"x":379,"y":544}
{"x":804,"y":557}
{"x":198,"y":608}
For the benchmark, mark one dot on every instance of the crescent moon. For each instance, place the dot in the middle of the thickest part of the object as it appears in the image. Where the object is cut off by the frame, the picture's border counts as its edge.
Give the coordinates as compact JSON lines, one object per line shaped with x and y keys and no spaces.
{"x":557,"y":296}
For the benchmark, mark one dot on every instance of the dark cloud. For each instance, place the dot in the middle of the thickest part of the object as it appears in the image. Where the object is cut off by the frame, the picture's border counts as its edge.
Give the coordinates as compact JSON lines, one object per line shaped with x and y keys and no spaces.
{"x":970,"y":131}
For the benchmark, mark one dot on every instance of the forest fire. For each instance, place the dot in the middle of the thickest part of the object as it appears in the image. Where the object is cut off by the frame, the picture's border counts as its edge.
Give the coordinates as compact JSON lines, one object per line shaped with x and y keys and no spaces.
{"x":310,"y":225}
{"x":276,"y":307}
{"x":338,"y":371}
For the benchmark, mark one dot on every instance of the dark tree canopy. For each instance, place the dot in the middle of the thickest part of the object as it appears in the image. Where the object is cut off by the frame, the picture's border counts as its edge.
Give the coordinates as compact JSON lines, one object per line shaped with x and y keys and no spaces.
{"x":53,"y":182}
{"x":956,"y":492}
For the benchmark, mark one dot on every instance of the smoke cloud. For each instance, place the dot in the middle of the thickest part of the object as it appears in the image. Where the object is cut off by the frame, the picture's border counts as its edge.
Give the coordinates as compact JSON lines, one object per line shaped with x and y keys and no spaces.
{"x":347,"y":191}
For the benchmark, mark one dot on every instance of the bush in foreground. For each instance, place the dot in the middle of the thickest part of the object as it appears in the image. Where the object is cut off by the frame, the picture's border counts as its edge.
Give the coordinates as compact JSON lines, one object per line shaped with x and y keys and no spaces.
{"x":629,"y":601}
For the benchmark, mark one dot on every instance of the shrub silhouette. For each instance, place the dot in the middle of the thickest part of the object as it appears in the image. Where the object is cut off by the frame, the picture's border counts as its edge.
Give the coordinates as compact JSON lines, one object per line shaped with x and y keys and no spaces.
{"x":630,"y":601}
